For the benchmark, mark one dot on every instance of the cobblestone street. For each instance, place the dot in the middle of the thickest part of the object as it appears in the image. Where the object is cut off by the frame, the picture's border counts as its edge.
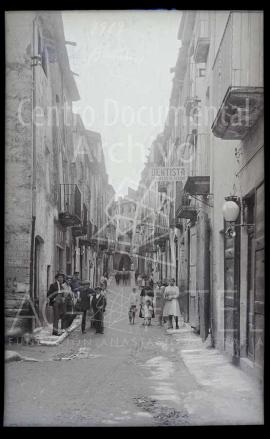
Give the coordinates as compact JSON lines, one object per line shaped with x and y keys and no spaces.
{"x":130,"y":376}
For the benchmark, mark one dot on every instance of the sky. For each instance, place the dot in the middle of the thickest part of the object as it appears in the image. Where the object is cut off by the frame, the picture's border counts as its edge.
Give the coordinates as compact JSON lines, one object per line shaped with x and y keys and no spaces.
{"x":122,"y":62}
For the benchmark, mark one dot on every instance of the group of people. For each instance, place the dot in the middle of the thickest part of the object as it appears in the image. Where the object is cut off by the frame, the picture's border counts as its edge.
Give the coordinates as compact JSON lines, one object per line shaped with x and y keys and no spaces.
{"x":161,"y":301}
{"x":68,"y":296}
{"x":123,"y":276}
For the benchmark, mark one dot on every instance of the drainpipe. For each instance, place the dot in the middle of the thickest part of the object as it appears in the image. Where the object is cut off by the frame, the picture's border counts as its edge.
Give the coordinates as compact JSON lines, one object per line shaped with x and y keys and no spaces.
{"x":32,"y":248}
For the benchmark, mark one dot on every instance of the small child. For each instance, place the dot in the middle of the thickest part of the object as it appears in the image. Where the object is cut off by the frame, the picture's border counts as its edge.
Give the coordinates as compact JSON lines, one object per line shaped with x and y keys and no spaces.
{"x":148,"y":312}
{"x":133,"y":300}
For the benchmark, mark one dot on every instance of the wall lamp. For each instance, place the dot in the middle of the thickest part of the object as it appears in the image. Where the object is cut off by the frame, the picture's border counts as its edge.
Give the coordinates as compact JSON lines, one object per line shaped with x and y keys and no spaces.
{"x":231,"y":210}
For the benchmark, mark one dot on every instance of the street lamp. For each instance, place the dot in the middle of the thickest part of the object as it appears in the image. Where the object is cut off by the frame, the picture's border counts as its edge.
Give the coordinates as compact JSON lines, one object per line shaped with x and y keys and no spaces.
{"x":231,"y":210}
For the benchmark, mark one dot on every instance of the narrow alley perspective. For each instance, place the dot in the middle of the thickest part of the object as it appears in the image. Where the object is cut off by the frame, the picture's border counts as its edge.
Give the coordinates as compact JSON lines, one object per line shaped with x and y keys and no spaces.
{"x":134,"y":218}
{"x":133,"y":375}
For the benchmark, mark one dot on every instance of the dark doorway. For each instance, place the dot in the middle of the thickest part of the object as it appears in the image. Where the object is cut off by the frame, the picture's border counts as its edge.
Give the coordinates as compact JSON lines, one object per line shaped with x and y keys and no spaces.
{"x":37,"y":271}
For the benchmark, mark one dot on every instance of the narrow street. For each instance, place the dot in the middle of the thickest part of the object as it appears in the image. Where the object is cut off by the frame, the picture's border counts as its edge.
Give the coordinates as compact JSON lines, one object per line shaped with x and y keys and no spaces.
{"x":130,"y":376}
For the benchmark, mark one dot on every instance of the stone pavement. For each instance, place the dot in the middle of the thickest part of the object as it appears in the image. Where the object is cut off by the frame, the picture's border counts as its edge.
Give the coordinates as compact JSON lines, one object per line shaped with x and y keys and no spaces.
{"x":130,"y":376}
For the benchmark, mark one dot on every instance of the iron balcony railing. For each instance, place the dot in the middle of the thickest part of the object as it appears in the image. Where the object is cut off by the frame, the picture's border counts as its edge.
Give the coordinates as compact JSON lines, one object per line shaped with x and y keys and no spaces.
{"x":69,"y":204}
{"x":239,"y":59}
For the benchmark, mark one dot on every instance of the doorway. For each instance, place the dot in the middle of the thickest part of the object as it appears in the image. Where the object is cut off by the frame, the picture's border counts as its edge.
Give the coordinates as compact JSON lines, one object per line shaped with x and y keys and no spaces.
{"x":37,"y":271}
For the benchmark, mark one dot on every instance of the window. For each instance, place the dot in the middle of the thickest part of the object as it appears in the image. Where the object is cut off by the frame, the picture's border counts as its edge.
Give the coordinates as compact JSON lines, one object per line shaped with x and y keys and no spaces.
{"x":202,"y":72}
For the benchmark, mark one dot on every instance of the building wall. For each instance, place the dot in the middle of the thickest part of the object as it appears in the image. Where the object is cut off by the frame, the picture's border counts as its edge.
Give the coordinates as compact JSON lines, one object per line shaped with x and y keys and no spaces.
{"x":18,"y":188}
{"x":41,"y":156}
{"x":19,"y":161}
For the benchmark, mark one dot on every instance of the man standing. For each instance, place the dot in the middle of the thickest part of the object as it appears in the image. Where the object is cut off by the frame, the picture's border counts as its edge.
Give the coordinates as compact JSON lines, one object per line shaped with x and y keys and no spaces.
{"x":99,"y":306}
{"x":75,"y":283}
{"x":69,"y":303}
{"x":171,"y":307}
{"x":85,"y":293}
{"x":57,"y":301}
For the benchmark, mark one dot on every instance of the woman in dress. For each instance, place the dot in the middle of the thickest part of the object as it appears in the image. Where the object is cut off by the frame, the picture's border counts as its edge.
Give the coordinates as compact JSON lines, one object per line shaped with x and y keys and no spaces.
{"x":171,"y":306}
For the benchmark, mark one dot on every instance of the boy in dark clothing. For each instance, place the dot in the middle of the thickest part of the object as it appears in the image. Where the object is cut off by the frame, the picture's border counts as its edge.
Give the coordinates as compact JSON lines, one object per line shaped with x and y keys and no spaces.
{"x":56,"y":299}
{"x":99,"y":306}
{"x":84,"y":293}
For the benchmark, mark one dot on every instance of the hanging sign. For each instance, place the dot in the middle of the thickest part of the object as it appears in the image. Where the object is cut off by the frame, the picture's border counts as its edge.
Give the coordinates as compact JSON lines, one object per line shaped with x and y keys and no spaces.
{"x":170,"y":173}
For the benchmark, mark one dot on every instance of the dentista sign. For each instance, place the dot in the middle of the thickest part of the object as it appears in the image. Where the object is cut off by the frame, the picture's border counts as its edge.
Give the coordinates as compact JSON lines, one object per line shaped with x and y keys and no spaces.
{"x":172,"y":173}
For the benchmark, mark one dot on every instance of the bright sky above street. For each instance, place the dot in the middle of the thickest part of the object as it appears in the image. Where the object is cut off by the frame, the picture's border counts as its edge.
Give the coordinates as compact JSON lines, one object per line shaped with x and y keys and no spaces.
{"x":123,"y":59}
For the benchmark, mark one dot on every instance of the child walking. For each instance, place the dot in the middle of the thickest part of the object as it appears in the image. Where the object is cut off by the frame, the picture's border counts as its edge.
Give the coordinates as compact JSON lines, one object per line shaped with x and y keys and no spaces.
{"x":148,"y":313}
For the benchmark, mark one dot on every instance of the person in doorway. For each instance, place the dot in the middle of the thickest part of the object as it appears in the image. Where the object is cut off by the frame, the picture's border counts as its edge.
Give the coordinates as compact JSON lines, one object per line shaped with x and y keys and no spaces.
{"x":99,"y":306}
{"x":85,"y":294}
{"x":56,"y":299}
{"x":171,"y":306}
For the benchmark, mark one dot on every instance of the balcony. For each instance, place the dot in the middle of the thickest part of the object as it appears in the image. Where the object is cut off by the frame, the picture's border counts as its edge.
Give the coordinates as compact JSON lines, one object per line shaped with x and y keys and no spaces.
{"x":161,"y":232}
{"x":187,"y":212}
{"x":184,"y":210}
{"x":82,"y":229}
{"x":198,"y":185}
{"x":111,"y":247}
{"x":202,"y":39}
{"x":238,"y":76}
{"x":162,"y":187}
{"x":69,"y":205}
{"x":87,"y":239}
{"x":191,"y":105}
{"x":103,"y":243}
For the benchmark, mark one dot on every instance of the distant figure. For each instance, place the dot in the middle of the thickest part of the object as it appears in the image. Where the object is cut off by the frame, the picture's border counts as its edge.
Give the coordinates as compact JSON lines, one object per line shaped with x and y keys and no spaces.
{"x":117,"y":278}
{"x":133,"y":302}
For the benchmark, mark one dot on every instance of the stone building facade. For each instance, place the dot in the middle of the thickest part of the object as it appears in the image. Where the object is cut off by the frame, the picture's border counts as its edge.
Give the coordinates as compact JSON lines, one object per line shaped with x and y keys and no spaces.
{"x":56,"y":182}
{"x":214,"y":133}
